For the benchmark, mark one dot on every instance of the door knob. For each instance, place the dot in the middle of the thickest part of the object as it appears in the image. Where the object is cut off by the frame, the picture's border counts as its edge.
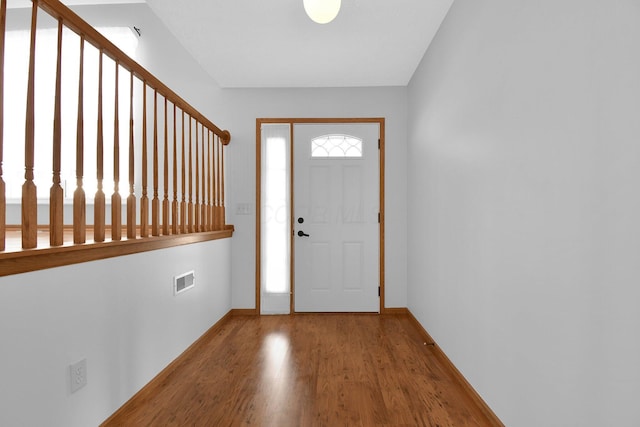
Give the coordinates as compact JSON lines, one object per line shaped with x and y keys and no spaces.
{"x":302,"y":233}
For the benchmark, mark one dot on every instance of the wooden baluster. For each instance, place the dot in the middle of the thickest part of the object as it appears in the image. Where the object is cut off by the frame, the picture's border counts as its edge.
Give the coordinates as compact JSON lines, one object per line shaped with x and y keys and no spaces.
{"x":99,"y":200}
{"x":144,"y":200}
{"x":29,"y":190}
{"x":216,"y":192}
{"x":183,"y":203}
{"x":197,"y":207}
{"x":174,"y":205}
{"x":209,"y":205}
{"x":131,"y":200}
{"x":165,"y":201}
{"x":215,"y":182}
{"x":216,"y":208}
{"x":116,"y":200}
{"x":155,"y":203}
{"x":209,"y":209}
{"x":203,"y":216}
{"x":79,"y":200}
{"x":203,"y":177}
{"x":220,"y":188}
{"x":222,"y":208}
{"x":190,"y":170}
{"x":56,"y":194}
{"x":3,"y":191}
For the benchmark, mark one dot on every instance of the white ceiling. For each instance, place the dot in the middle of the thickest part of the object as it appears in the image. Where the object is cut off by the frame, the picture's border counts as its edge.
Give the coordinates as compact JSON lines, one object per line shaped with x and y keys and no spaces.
{"x":15,"y":4}
{"x":272,"y":43}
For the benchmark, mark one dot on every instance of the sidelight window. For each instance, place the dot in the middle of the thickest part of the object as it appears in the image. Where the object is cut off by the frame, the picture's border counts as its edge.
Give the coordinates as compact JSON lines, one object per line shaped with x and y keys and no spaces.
{"x":275,"y":217}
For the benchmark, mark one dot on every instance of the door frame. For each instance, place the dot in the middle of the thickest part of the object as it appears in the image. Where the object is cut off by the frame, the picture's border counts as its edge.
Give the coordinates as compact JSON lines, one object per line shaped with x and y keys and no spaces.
{"x":291,"y":122}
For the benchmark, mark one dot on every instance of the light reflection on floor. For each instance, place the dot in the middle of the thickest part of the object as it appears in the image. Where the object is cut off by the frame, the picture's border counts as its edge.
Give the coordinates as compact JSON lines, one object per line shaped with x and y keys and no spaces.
{"x":277,"y":372}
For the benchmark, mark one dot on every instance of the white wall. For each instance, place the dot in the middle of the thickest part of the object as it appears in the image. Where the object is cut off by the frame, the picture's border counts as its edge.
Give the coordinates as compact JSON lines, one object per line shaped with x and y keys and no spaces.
{"x":246,"y":105}
{"x":237,"y":110}
{"x":119,"y":313}
{"x":524,"y":174}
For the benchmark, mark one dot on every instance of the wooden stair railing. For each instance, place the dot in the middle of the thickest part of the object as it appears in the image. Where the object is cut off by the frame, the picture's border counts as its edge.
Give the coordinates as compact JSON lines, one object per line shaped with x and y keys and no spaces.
{"x":174,"y":212}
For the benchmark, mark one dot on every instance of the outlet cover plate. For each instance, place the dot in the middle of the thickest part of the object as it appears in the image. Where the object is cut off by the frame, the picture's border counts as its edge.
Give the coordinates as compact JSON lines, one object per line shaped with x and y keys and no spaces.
{"x":78,"y":373}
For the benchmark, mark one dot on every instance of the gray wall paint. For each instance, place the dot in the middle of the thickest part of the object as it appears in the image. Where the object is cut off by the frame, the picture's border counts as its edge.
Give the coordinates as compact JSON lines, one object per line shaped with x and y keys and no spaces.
{"x":524,"y":205}
{"x":247,"y":105}
{"x":237,"y":110}
{"x":119,"y":313}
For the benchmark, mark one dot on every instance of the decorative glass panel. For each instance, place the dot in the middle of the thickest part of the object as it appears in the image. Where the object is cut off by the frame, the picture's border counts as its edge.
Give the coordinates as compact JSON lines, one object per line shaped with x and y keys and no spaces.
{"x":336,"y":146}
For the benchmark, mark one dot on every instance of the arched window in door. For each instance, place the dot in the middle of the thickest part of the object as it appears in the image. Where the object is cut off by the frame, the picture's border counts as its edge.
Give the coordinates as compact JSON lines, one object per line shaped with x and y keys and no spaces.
{"x":336,"y":146}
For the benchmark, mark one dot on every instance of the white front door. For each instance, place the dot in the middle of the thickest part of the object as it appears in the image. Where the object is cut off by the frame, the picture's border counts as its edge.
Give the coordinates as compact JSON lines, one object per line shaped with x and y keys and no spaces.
{"x":336,"y":206}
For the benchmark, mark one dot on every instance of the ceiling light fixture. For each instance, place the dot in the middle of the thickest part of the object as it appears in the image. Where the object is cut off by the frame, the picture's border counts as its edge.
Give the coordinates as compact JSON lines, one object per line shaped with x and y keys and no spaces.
{"x":322,"y":11}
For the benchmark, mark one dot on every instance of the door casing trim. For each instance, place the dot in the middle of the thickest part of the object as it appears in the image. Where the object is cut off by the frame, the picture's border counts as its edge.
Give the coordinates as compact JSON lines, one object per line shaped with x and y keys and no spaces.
{"x":381,"y":172}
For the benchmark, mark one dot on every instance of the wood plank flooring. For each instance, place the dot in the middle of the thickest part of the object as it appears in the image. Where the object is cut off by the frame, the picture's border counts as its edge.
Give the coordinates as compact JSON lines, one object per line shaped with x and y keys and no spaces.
{"x":307,"y":370}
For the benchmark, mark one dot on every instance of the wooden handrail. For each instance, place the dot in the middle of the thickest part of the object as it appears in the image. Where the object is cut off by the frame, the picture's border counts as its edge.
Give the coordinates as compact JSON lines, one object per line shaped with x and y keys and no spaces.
{"x":57,"y":10}
{"x":165,"y":214}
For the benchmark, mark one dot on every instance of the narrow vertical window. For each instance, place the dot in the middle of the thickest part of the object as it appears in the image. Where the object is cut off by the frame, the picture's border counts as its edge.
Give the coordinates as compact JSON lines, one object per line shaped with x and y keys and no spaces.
{"x":275,"y":218}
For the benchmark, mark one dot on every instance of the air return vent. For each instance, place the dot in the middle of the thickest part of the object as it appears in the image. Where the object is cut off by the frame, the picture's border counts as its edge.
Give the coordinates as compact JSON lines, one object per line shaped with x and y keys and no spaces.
{"x":184,"y":282}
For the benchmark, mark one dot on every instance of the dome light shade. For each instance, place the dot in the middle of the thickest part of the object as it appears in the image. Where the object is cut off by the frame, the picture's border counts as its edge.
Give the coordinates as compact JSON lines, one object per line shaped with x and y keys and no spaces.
{"x":322,"y":11}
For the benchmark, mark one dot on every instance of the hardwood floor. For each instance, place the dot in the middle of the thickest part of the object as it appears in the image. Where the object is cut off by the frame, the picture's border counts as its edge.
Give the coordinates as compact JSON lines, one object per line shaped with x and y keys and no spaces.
{"x":307,"y":370}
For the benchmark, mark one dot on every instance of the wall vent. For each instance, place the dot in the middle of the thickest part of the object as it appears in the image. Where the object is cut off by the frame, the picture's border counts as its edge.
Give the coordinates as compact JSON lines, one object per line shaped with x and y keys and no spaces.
{"x":184,"y":282}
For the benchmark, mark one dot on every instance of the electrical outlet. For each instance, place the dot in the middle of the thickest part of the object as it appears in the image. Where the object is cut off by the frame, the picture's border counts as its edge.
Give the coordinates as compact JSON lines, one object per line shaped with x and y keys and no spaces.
{"x":78,"y":375}
{"x":244,"y":209}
